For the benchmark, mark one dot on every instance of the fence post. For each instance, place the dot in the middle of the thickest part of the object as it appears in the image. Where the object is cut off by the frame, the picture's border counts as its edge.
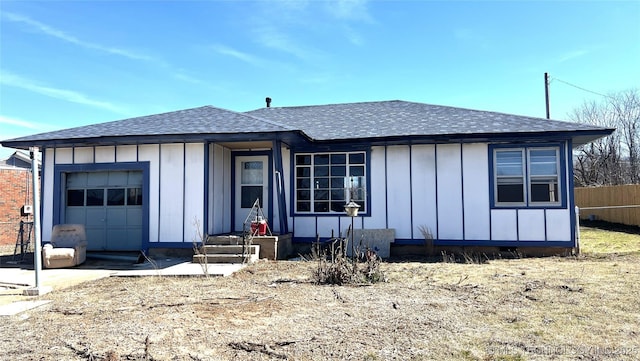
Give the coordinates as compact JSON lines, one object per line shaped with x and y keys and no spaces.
{"x":577,"y":240}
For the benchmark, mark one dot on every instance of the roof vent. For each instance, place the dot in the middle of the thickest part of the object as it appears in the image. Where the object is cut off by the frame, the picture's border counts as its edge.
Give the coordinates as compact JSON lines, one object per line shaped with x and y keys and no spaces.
{"x":268,"y":100}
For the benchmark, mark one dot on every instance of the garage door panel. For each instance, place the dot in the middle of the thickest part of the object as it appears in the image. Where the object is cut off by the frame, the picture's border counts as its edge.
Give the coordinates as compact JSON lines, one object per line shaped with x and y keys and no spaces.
{"x":134,"y":234}
{"x":135,"y":178}
{"x":116,"y":217}
{"x":76,"y":215}
{"x":118,"y":178}
{"x":76,"y":180}
{"x":95,"y":217}
{"x":95,"y":239}
{"x":117,"y":239}
{"x":134,"y":217}
{"x":103,"y":207}
{"x":96,"y":178}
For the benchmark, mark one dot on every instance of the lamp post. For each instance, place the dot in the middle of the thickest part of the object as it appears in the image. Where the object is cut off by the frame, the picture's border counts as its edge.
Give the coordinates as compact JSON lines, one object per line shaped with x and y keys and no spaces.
{"x":352,"y":211}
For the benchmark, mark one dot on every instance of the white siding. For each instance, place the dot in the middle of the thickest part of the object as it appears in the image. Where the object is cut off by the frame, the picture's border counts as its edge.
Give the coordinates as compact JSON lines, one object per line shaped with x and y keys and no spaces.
{"x":193,"y":189}
{"x":150,"y":153}
{"x":449,"y":173}
{"x":423,"y":189}
{"x":326,"y":225}
{"x":305,"y":227}
{"x":219,"y":190}
{"x":83,"y":155}
{"x":171,"y":192}
{"x":226,"y":192}
{"x":377,"y":192}
{"x":399,"y":190}
{"x":475,"y":175}
{"x":345,"y":223}
{"x":531,"y":225}
{"x":105,"y":154}
{"x":126,"y":153}
{"x":558,"y":225}
{"x":64,"y":156}
{"x":213,"y":157}
{"x":46,"y":197}
{"x":504,"y":225}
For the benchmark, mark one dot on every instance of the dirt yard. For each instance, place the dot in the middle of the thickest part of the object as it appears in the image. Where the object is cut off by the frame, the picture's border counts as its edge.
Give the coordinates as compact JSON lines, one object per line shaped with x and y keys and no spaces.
{"x":584,"y":308}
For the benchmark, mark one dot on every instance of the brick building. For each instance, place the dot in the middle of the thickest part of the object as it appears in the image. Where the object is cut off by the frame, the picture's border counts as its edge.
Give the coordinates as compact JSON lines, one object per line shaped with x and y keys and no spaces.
{"x":15,"y":192}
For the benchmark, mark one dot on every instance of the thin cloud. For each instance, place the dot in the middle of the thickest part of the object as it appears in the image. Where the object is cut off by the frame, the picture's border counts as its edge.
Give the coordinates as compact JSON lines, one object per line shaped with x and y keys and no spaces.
{"x":59,"y":34}
{"x":572,"y":55}
{"x":271,"y":37}
{"x":247,"y":58}
{"x":353,"y":36}
{"x":349,"y":10}
{"x":20,"y":123}
{"x":319,"y":79}
{"x":17,"y":81}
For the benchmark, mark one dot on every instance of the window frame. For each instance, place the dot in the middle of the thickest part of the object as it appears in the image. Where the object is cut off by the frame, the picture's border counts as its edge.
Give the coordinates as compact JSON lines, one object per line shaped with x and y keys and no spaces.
{"x":313,"y":179}
{"x":561,"y":176}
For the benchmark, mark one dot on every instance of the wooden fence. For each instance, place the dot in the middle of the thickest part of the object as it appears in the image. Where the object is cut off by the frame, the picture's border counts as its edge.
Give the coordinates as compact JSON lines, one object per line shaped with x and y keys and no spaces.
{"x":618,"y":204}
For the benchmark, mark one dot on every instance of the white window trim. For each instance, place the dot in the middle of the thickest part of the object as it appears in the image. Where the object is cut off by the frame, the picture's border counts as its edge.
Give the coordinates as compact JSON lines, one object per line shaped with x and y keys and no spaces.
{"x":530,"y":177}
{"x":312,"y":177}
{"x":526,"y":160}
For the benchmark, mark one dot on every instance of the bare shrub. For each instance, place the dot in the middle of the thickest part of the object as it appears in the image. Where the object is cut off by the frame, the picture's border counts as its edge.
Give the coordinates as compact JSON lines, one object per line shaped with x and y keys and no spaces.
{"x":199,"y":241}
{"x":336,"y":268}
{"x":428,"y":239}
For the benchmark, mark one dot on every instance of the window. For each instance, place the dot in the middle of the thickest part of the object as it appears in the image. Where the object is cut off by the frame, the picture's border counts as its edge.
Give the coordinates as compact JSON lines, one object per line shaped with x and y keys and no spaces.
{"x":526,"y":176}
{"x":115,"y":197}
{"x":75,"y":197}
{"x":134,"y":196}
{"x":96,"y":197}
{"x":251,"y":179}
{"x":325,"y":182}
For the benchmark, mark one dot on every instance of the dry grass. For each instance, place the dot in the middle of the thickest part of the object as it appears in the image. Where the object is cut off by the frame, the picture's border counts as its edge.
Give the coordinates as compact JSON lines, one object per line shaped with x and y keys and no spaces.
{"x":598,"y":241}
{"x":519,"y":309}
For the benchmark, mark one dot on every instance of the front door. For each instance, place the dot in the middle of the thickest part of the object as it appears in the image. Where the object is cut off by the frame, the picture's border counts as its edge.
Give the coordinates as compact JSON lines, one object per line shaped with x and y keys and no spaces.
{"x":252,"y":182}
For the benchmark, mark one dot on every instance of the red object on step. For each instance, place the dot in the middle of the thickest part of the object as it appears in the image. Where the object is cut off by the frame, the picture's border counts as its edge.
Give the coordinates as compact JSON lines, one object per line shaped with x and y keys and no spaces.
{"x":259,"y":228}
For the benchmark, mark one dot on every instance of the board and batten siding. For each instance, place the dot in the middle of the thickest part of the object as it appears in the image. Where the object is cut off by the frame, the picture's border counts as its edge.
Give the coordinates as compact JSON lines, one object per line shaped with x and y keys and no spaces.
{"x":219,"y":189}
{"x":176,"y":184}
{"x":443,"y":189}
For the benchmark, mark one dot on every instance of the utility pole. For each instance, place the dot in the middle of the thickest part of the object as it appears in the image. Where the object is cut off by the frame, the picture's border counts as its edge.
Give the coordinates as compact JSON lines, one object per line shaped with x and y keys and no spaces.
{"x":38,"y":289}
{"x":546,"y":92}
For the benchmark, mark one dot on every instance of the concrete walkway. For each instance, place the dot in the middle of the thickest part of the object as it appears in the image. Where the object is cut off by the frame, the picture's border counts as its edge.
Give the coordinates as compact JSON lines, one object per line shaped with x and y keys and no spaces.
{"x":16,"y":278}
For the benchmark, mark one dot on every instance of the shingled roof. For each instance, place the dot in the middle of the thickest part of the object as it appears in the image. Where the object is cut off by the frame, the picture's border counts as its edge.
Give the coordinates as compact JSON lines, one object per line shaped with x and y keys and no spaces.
{"x":334,"y":122}
{"x":400,"y":118}
{"x":202,"y":120}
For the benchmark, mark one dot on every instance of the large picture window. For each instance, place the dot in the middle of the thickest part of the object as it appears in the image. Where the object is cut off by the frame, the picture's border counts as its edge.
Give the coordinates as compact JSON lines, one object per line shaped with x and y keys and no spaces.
{"x":526,"y":176}
{"x":325,"y":182}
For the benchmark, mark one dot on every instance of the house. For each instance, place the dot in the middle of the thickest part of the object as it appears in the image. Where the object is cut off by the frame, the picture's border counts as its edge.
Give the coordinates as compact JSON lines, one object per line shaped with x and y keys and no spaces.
{"x":15,"y":194}
{"x":466,"y":177}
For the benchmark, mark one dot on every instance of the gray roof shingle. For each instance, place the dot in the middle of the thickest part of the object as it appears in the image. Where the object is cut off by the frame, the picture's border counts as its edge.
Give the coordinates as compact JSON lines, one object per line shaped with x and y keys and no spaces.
{"x":202,"y":120}
{"x":401,"y":118}
{"x":367,"y":120}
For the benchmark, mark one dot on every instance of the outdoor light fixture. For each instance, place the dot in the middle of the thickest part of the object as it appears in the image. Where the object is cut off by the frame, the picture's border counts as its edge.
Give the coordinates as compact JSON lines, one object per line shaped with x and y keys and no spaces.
{"x":352,"y":211}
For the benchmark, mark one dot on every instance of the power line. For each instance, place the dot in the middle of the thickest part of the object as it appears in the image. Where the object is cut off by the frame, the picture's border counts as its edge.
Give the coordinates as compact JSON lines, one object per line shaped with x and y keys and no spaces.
{"x":581,"y":88}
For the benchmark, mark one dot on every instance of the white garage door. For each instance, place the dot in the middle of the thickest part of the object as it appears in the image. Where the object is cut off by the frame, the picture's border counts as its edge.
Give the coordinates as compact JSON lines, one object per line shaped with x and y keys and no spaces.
{"x":109,"y":204}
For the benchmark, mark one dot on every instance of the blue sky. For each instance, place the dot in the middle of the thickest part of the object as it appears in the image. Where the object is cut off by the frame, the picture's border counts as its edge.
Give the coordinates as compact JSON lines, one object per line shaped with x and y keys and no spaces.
{"x":71,"y":63}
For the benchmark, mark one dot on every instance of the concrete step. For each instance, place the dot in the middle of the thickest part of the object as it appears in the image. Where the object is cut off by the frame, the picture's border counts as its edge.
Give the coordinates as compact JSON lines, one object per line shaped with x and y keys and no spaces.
{"x":223,"y":258}
{"x":226,"y":239}
{"x":228,"y":249}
